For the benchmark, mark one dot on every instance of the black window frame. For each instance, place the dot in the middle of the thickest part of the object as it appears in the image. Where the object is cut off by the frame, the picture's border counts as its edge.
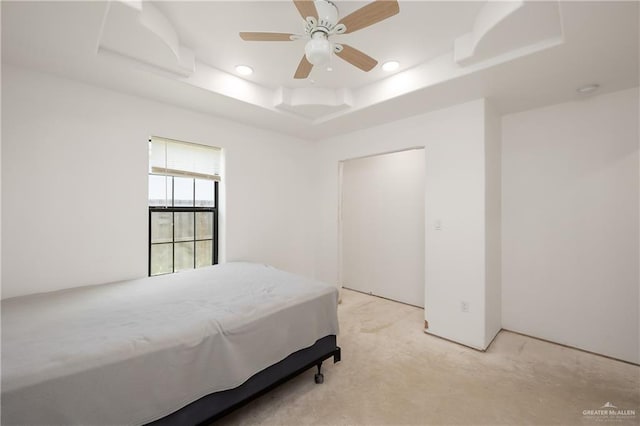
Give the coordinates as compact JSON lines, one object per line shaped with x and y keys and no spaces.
{"x":188,"y":209}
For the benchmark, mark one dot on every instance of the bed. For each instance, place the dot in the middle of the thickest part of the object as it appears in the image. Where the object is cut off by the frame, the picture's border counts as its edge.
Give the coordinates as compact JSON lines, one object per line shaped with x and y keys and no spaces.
{"x":180,"y":349}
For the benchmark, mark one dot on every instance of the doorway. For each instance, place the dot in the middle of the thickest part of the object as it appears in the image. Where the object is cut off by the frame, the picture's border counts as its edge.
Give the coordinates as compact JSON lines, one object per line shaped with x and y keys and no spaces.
{"x":382,"y":225}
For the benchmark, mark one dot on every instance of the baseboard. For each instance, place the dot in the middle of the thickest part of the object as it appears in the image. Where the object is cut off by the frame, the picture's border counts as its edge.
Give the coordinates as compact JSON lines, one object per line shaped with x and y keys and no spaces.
{"x":382,"y":297}
{"x":453,"y":341}
{"x":493,"y":339}
{"x":571,"y":347}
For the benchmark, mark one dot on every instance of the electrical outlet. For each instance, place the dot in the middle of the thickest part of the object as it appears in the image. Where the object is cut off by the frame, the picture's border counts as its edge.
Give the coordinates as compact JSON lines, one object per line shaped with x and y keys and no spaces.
{"x":464,"y":306}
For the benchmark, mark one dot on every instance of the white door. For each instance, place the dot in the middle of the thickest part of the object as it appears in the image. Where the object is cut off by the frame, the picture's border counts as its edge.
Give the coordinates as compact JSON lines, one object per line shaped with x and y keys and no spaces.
{"x":382,"y":226}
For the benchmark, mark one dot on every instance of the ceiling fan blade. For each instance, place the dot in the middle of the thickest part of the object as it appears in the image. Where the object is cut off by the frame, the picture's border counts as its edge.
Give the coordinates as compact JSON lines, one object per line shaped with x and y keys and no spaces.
{"x":357,"y":58}
{"x":306,"y":8}
{"x":266,"y":36}
{"x":304,"y":68}
{"x":370,"y":14}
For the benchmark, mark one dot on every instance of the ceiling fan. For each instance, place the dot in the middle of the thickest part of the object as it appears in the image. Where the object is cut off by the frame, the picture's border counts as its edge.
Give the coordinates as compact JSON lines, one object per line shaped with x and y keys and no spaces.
{"x":321,"y":22}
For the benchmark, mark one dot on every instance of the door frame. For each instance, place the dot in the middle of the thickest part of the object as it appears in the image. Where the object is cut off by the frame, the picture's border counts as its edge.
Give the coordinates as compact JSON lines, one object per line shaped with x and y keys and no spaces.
{"x":340,"y":202}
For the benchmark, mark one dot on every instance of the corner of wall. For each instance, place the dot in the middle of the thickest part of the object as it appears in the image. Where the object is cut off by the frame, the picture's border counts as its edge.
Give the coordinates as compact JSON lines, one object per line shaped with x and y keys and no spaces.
{"x":1,"y":173}
{"x":493,"y":222}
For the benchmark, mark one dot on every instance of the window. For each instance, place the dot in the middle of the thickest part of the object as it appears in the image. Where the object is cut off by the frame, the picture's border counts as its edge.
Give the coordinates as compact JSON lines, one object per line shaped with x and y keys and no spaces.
{"x":183,"y":206}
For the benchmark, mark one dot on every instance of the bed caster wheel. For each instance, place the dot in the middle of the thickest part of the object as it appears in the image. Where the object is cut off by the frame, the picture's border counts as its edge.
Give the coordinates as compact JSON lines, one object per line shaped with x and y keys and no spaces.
{"x":319,"y":378}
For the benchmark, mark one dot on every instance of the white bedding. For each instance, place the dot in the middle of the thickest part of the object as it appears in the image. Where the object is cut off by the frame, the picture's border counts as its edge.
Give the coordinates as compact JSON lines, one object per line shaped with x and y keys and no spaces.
{"x":135,"y":351}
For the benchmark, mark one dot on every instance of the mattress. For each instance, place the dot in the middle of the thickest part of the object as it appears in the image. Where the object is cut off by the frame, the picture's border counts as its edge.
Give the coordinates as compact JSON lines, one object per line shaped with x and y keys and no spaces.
{"x":134,"y":351}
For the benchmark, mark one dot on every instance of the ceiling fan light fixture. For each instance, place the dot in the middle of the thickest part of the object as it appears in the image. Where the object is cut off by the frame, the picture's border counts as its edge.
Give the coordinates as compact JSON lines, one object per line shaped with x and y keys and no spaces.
{"x":244,"y":70}
{"x":390,"y":65}
{"x":318,"y":49}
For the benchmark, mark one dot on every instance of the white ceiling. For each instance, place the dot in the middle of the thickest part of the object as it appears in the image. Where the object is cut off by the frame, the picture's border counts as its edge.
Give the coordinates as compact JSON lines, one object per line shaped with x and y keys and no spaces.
{"x":518,"y":55}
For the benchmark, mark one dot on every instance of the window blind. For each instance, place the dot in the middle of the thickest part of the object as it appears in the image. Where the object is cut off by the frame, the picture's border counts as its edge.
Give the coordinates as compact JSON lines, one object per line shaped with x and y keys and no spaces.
{"x":168,"y":157}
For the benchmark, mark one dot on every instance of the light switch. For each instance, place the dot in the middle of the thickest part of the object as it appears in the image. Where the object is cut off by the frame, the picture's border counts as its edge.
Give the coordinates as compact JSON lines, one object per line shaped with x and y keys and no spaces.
{"x":438,"y":225}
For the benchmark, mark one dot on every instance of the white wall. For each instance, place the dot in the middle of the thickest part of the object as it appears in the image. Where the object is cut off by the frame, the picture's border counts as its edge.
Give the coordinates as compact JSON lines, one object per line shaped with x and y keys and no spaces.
{"x":455,"y":194}
{"x":570,"y":224}
{"x":382,"y":225}
{"x":74,"y":184}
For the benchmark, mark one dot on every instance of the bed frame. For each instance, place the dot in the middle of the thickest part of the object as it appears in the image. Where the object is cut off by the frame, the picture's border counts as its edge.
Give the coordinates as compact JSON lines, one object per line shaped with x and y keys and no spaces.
{"x":216,"y":405}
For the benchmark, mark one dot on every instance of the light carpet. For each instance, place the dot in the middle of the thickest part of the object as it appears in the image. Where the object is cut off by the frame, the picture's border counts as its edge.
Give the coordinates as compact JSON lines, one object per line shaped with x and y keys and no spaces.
{"x":392,"y":373}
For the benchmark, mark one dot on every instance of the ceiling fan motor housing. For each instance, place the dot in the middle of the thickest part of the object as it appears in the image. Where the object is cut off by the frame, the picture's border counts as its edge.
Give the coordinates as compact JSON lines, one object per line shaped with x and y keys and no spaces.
{"x":326,"y":21}
{"x":327,"y":14}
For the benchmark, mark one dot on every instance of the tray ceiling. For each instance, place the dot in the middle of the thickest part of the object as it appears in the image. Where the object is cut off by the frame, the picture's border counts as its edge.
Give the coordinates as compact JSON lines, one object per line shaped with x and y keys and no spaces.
{"x":518,"y":54}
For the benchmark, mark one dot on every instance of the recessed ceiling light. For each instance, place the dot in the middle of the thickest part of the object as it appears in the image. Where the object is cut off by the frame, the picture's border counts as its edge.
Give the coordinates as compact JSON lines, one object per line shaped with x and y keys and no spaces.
{"x":244,"y":70}
{"x":588,"y":88}
{"x":390,"y":65}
